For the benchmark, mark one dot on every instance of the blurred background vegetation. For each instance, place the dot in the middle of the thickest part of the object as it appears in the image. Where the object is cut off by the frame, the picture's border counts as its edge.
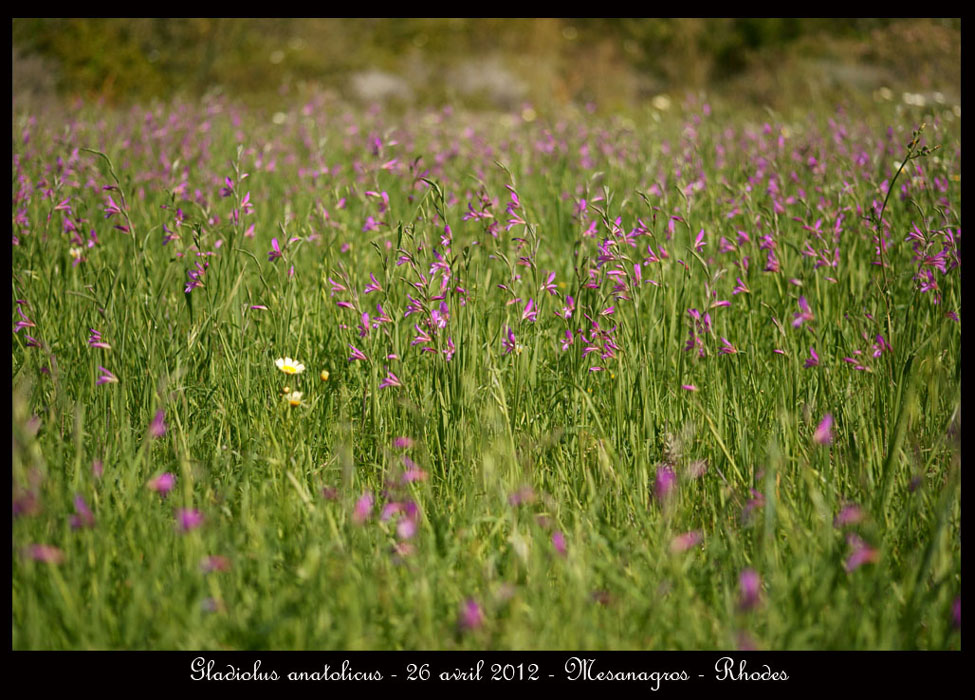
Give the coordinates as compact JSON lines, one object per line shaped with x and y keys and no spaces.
{"x":485,"y":63}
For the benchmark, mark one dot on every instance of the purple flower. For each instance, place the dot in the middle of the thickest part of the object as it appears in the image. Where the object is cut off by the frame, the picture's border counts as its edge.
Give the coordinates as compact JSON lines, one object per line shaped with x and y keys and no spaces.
{"x":25,"y":323}
{"x":812,"y":360}
{"x":158,"y":426}
{"x":412,"y":472}
{"x":728,"y":348}
{"x":403,"y":442}
{"x":804,"y":314}
{"x":749,"y":586}
{"x":188,"y":519}
{"x":95,"y":340}
{"x":558,"y":541}
{"x":754,"y":503}
{"x":373,"y":287}
{"x":406,"y":527}
{"x":665,"y":482}
{"x":471,"y":617}
{"x":356,"y":354}
{"x":276,"y":252}
{"x":509,"y":342}
{"x":111,"y":208}
{"x":824,"y":434}
{"x":163,"y":483}
{"x":862,"y":553}
{"x":390,"y":380}
{"x":106,"y":377}
{"x":45,"y":553}
{"x":686,"y":541}
{"x":850,"y":514}
{"x":548,"y":286}
{"x":83,"y":516}
{"x":569,"y":307}
{"x":363,"y":508}
{"x":530,"y":313}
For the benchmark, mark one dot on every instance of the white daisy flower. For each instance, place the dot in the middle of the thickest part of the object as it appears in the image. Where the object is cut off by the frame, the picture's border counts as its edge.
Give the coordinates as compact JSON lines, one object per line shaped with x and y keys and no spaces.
{"x":289,"y":366}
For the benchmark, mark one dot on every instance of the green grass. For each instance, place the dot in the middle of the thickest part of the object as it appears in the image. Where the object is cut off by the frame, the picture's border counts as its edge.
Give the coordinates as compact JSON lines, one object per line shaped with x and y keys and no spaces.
{"x":303,"y":574}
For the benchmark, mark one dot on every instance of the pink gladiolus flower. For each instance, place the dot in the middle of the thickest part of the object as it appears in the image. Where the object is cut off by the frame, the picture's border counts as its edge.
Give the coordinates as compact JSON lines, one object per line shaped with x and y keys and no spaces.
{"x":862,"y":553}
{"x":363,"y":508}
{"x":823,"y":434}
{"x":188,"y":519}
{"x":403,"y":442}
{"x":373,"y":287}
{"x":804,"y":314}
{"x":356,"y":354}
{"x":558,"y":541}
{"x":749,"y":586}
{"x":413,"y":471}
{"x":83,"y":516}
{"x":163,"y":483}
{"x":569,"y":307}
{"x":106,"y":377}
{"x":95,"y":340}
{"x":812,"y":360}
{"x":850,"y":514}
{"x":548,"y":285}
{"x":728,"y":348}
{"x":665,"y":483}
{"x":509,"y":342}
{"x":754,"y":503}
{"x":158,"y":426}
{"x":471,"y":617}
{"x":686,"y":541}
{"x":390,"y":380}
{"x":25,"y":323}
{"x":111,"y":208}
{"x":45,"y":553}
{"x":406,"y":527}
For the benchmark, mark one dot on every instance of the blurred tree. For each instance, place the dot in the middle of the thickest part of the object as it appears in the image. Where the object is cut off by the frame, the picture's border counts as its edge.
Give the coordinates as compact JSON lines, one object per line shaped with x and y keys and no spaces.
{"x":609,"y":60}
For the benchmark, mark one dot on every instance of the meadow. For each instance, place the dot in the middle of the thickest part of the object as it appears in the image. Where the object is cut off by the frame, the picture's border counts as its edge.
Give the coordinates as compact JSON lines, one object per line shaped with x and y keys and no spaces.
{"x":337,"y":378}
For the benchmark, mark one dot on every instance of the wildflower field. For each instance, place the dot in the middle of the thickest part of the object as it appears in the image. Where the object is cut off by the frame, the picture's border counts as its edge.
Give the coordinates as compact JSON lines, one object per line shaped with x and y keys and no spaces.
{"x":336,"y":378}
